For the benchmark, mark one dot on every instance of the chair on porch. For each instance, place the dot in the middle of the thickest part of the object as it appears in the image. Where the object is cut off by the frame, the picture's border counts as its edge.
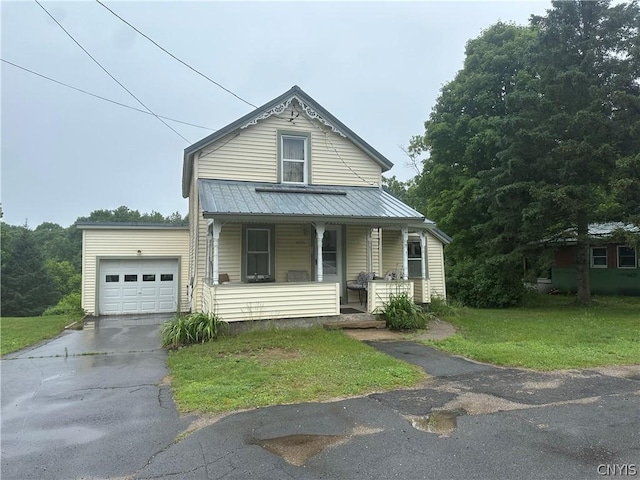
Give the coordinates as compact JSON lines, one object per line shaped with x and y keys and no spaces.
{"x":361,"y":284}
{"x":297,"y":276}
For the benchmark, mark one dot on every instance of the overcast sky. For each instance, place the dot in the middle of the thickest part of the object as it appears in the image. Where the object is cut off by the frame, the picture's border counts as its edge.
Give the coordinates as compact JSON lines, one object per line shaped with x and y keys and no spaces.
{"x":378,"y":67}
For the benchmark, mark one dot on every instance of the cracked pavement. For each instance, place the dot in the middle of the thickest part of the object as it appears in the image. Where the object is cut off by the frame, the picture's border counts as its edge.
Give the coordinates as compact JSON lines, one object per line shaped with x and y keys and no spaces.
{"x":109,"y":416}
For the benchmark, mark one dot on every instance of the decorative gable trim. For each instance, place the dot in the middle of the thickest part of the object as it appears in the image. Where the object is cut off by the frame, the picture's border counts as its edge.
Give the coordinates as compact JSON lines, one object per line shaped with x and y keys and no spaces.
{"x":280,"y":108}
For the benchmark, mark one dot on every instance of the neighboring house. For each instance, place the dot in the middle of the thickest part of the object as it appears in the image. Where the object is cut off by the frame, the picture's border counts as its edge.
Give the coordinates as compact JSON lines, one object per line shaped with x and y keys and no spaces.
{"x":286,"y":206}
{"x":614,"y":263}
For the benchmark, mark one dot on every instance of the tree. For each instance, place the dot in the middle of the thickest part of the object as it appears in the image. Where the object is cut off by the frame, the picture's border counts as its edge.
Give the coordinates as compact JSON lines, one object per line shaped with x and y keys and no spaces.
{"x":26,"y":284}
{"x":463,"y":137}
{"x":532,"y":138}
{"x":567,"y":149}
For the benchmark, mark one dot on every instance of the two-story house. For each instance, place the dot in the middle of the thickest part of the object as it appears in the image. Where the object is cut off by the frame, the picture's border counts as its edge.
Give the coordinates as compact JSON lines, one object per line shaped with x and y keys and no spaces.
{"x":286,"y":207}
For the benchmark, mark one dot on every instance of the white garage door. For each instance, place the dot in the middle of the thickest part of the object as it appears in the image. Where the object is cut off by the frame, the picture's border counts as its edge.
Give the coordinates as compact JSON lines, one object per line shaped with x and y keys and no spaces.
{"x":138,"y":286}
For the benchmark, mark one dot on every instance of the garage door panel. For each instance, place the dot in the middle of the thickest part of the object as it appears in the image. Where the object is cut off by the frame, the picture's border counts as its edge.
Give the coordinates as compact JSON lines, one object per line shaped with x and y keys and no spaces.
{"x":111,"y":293}
{"x":138,"y":286}
{"x":129,"y":292}
{"x":166,"y":291}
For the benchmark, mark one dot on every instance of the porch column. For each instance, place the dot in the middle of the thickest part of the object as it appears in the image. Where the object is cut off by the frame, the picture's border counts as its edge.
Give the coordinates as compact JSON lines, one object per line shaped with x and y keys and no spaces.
{"x":216,"y":226}
{"x":405,"y":253}
{"x":370,"y":252}
{"x":423,"y":255}
{"x":319,"y":236}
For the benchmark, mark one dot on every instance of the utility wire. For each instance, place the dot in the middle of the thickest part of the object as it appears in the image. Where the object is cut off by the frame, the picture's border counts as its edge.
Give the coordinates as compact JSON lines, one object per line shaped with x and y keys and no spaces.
{"x":102,"y":98}
{"x":176,"y":58}
{"x":107,"y":72}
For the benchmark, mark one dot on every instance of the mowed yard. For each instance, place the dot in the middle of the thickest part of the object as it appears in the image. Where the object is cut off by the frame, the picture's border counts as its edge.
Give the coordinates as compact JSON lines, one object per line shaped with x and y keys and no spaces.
{"x":17,"y":333}
{"x":551,"y":333}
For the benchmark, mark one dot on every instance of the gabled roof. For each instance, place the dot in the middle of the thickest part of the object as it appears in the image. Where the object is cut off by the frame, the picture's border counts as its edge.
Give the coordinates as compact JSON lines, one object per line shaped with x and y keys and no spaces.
{"x":256,"y":201}
{"x":313,"y":107}
{"x":597,"y":231}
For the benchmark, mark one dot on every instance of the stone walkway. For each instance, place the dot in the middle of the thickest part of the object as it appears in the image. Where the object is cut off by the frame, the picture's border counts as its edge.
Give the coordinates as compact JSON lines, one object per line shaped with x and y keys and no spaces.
{"x":436,"y":330}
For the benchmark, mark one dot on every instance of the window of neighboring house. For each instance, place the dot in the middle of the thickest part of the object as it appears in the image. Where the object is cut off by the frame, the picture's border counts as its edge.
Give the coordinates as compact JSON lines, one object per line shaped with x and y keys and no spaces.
{"x":598,"y":257}
{"x":294,"y":151}
{"x":415,"y":259}
{"x":626,"y":257}
{"x":258,"y":252}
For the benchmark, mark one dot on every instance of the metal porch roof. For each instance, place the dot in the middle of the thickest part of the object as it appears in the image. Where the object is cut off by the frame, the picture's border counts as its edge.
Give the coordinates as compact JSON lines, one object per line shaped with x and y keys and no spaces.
{"x":236,"y":198}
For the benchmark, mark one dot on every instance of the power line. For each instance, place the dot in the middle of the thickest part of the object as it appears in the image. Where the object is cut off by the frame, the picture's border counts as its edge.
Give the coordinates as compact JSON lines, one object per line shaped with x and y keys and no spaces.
{"x":102,"y":98}
{"x":107,"y":72}
{"x":176,"y":58}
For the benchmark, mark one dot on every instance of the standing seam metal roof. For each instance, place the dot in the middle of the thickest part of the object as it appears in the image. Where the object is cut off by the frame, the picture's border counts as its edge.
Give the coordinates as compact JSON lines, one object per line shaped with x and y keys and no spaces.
{"x":227,"y":197}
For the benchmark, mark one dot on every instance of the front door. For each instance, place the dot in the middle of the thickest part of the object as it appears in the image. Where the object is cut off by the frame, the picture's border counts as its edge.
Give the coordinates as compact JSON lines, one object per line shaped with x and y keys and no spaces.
{"x":332,"y":255}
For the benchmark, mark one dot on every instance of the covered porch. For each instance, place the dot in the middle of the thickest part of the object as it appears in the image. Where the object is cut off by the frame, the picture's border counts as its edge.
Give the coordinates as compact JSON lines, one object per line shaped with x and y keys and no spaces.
{"x":262,"y":264}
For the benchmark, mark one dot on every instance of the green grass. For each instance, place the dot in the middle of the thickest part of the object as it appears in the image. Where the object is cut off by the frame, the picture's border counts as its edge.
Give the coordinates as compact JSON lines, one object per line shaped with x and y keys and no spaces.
{"x":550,"y":334}
{"x":281,"y":366}
{"x":17,"y":333}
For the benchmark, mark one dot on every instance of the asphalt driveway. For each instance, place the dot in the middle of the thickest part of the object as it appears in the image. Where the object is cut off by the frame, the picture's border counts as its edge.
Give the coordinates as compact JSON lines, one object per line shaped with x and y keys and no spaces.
{"x":108,"y":416}
{"x":88,"y":404}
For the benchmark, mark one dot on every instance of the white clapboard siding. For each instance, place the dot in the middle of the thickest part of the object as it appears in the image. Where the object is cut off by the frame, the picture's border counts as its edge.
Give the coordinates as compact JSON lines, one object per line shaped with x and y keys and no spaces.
{"x":293,"y":250}
{"x":246,"y":302}
{"x":421,"y":290}
{"x":435,"y":250}
{"x":124,"y":243}
{"x":230,"y":246}
{"x":380,"y":291}
{"x":356,"y":255}
{"x":391,"y":252}
{"x":250,"y":154}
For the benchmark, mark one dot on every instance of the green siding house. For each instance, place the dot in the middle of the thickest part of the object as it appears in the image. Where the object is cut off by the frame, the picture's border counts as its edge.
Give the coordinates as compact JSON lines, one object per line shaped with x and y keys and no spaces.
{"x":613,"y":260}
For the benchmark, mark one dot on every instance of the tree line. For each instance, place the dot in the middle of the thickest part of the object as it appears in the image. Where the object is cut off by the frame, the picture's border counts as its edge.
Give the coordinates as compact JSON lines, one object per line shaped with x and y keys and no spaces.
{"x":536,"y":136}
{"x":41,"y":267}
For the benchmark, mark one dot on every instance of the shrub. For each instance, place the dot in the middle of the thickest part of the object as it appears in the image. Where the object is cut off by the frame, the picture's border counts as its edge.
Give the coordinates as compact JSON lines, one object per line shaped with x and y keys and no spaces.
{"x":70,"y":305}
{"x":400,"y":313}
{"x":192,"y":328}
{"x":441,"y":307}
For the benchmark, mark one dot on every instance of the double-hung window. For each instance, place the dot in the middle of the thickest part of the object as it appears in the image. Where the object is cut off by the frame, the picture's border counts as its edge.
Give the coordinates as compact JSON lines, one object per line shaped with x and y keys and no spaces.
{"x":294,"y":158}
{"x":598,"y":257}
{"x":626,"y":257}
{"x":415,"y":259}
{"x":258,"y":252}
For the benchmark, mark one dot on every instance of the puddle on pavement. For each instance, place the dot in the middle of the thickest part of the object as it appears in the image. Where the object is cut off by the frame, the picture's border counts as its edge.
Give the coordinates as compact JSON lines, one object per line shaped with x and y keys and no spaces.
{"x":297,"y":449}
{"x":441,"y":422}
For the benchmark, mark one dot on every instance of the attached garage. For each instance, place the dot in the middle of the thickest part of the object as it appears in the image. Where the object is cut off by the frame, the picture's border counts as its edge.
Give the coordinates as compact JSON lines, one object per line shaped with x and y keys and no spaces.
{"x":138,"y":286}
{"x":134,"y":268}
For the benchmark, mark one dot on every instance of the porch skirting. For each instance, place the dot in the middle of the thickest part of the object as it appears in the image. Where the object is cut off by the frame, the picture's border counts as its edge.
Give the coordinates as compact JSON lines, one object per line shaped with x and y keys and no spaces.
{"x":270,"y":301}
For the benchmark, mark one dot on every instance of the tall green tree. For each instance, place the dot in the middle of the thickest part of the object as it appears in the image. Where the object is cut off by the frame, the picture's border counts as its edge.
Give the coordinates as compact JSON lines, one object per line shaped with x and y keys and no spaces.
{"x":539,"y":133}
{"x":25,"y":283}
{"x":463,"y":137}
{"x":577,"y":126}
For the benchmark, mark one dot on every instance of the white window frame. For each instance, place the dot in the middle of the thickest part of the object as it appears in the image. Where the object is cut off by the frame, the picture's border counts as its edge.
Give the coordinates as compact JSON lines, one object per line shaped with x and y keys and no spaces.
{"x":635,"y":256}
{"x":606,"y":259}
{"x":418,"y":259}
{"x":305,"y":162}
{"x":247,"y":251}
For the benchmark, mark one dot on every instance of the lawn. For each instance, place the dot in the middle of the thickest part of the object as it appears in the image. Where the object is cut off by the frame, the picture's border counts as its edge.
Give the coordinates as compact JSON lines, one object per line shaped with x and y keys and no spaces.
{"x":281,"y":366}
{"x":551,"y":334}
{"x":17,"y":333}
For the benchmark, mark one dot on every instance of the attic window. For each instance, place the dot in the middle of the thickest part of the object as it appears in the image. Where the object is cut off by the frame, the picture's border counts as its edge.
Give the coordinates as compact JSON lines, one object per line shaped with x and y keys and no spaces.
{"x":294,"y":151}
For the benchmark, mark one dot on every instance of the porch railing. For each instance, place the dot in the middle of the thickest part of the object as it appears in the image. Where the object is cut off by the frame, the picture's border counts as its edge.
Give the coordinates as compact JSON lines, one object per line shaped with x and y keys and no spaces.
{"x":235,"y":302}
{"x":380,"y":291}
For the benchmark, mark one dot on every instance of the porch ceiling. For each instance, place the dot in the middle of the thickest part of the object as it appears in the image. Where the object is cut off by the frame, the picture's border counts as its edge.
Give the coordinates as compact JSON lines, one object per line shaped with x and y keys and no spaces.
{"x":259,"y":201}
